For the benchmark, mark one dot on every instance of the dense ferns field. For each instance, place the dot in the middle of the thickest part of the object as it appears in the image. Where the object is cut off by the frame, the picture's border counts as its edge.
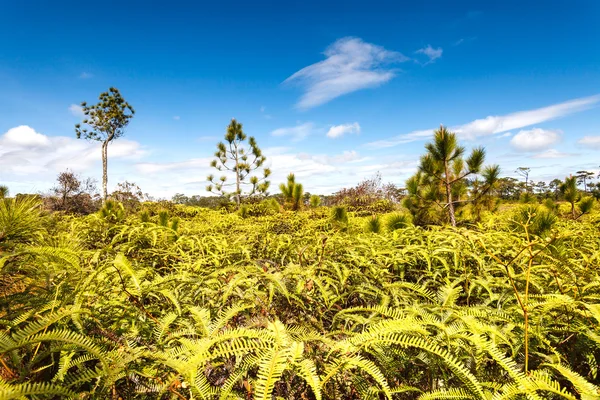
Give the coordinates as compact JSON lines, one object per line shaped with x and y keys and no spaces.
{"x":191,"y":303}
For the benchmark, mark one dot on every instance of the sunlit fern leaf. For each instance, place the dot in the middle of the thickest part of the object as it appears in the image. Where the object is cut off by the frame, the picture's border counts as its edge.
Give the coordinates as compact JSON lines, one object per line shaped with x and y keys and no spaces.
{"x":162,"y":329}
{"x":587,"y":390}
{"x":273,"y":364}
{"x":24,"y":390}
{"x":123,"y":264}
{"x":353,"y":361}
{"x":43,"y":323}
{"x":241,"y":370}
{"x":226,"y":315}
{"x":446,"y":394}
{"x":308,"y":371}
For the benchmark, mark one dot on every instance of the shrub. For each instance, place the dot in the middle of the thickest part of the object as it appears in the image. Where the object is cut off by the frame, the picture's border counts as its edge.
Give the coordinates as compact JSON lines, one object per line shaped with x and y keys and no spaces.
{"x":374,"y":224}
{"x":397,"y":221}
{"x":315,"y":201}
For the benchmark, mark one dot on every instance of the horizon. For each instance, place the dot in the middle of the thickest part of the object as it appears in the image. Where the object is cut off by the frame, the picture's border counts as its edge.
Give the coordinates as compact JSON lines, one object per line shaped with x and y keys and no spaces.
{"x":331,"y":96}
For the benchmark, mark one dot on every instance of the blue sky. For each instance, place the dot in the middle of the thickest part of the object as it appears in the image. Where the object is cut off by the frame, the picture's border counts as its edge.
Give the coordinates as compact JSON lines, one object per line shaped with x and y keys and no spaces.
{"x":333,"y":92}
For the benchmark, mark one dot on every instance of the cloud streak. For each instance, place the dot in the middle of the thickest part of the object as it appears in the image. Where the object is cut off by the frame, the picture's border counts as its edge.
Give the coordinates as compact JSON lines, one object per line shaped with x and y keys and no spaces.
{"x":432,"y":53}
{"x":492,"y":125}
{"x":590,"y":141}
{"x":297,"y":133}
{"x":350,"y":65}
{"x":76,"y":110}
{"x":341,"y":130}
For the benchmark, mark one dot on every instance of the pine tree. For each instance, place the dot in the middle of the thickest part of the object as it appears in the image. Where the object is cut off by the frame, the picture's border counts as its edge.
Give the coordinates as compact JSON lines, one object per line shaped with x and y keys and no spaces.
{"x":292,"y":192}
{"x":443,"y":166}
{"x":106,"y":121}
{"x":232,"y":156}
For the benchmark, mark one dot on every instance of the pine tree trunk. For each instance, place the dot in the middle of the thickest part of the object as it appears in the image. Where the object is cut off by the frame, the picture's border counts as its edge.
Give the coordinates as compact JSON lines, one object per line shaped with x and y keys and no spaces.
{"x":237,"y":196}
{"x":237,"y":178}
{"x":104,"y":171}
{"x":449,"y":196}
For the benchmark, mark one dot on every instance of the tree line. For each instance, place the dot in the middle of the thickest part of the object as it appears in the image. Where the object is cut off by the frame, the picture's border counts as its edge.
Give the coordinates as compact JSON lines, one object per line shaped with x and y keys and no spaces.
{"x":446,"y":180}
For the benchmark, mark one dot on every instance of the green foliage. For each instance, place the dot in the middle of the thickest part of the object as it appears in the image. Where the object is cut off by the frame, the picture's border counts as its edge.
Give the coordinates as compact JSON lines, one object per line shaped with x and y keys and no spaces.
{"x":105,"y":122}
{"x":145,"y":216}
{"x":586,"y":205}
{"x":264,"y":208}
{"x":441,"y":179}
{"x":339,"y":215}
{"x":369,"y":197}
{"x":243,"y":211}
{"x":3,"y":191}
{"x":315,"y":201}
{"x":527,"y":198}
{"x":19,"y":220}
{"x":112,"y":212}
{"x":397,"y":221}
{"x":534,"y":220}
{"x":551,"y":205}
{"x":232,"y":156}
{"x":292,"y":192}
{"x":287,"y":305}
{"x":374,"y":224}
{"x":570,"y":192}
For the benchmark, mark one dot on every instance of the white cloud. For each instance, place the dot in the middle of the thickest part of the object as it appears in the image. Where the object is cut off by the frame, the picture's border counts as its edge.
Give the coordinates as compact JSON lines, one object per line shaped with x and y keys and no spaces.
{"x":498,"y":124}
{"x":345,"y":157}
{"x":340,"y":130}
{"x":27,"y":153}
{"x":176,"y":117}
{"x":535,"y":139}
{"x":23,"y":137}
{"x":192,"y":164}
{"x":351,"y":65}
{"x":76,"y":110}
{"x":85,"y":75}
{"x":297,"y":133}
{"x":590,"y":141}
{"x":552,"y":153}
{"x":432,"y":53}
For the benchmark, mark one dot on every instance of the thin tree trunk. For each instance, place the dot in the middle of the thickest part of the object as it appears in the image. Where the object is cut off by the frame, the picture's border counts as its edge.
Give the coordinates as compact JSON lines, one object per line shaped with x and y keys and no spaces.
{"x":449,"y":196}
{"x":238,"y":197}
{"x":104,"y":170}
{"x":237,"y":178}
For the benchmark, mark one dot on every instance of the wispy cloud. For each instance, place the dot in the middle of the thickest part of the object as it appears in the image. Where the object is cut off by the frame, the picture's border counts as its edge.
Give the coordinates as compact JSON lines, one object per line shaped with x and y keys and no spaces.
{"x":263,"y":110}
{"x":176,"y":117}
{"x":535,"y":139}
{"x":464,"y":40}
{"x":76,"y":110}
{"x":432,"y":53}
{"x":346,"y":157}
{"x":590,"y":141}
{"x":350,"y":65}
{"x":297,"y":133}
{"x":553,"y":153}
{"x":86,"y":75}
{"x":498,"y":124}
{"x":184,"y":166}
{"x":340,"y":130}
